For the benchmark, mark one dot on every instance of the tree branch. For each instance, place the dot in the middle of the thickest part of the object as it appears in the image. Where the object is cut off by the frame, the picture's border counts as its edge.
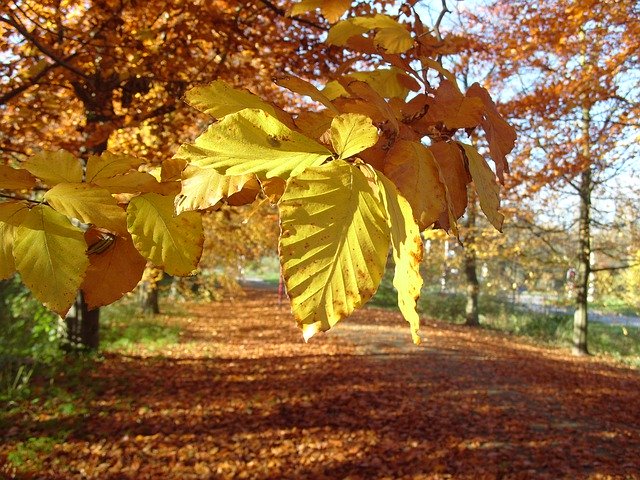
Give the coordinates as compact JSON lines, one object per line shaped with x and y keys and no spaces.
{"x":43,"y":48}
{"x":280,"y":11}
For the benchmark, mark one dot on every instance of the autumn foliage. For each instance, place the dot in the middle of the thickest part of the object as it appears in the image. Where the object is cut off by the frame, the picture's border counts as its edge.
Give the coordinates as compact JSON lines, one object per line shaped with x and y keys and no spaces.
{"x":381,"y":152}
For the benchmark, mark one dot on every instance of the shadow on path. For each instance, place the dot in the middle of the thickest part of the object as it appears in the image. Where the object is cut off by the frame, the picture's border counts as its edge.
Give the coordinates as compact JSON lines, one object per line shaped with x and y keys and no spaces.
{"x":244,"y":397}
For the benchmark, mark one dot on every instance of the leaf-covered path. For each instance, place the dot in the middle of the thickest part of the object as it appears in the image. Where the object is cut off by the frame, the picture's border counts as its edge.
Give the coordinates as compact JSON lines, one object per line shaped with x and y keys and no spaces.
{"x":243,"y":397}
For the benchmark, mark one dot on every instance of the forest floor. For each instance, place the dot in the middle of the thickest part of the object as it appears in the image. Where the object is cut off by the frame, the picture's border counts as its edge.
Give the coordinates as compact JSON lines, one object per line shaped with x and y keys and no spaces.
{"x":242,"y":396}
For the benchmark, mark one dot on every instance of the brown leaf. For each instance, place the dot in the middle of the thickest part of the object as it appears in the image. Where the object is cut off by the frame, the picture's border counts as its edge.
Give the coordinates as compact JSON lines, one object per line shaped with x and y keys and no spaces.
{"x":412,"y":168}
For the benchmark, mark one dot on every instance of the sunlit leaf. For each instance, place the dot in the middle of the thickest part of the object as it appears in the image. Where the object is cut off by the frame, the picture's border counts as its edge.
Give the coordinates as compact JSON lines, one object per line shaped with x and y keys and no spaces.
{"x":388,"y":82}
{"x":331,"y":9}
{"x":333,"y":246}
{"x":130,"y":182}
{"x":352,"y":133}
{"x":15,"y":178}
{"x":54,"y":167}
{"x":219,"y":99}
{"x":407,"y":251}
{"x":89,"y":204}
{"x":252,"y":141}
{"x":50,"y":255}
{"x":391,"y":36}
{"x":203,"y":188}
{"x":109,"y":165}
{"x":486,"y":186}
{"x":11,"y":216}
{"x":112,"y":272}
{"x":303,"y":87}
{"x":171,"y":242}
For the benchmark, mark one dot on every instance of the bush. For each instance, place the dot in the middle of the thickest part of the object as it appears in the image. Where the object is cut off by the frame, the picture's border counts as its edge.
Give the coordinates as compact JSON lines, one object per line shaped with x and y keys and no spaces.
{"x":30,"y":338}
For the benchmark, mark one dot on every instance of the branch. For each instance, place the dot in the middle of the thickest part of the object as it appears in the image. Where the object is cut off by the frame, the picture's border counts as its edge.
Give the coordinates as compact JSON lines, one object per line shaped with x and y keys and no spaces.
{"x":436,"y":26}
{"x":283,"y":13}
{"x":43,"y":48}
{"x":13,"y":197}
{"x":619,"y":267}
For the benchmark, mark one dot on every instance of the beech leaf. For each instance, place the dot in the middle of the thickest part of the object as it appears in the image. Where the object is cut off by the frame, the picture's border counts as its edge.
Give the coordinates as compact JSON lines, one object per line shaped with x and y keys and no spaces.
{"x":50,"y":255}
{"x":486,"y":186}
{"x":253,"y":141}
{"x":89,"y":204}
{"x":55,"y":167}
{"x":219,"y":99}
{"x":203,"y":188}
{"x":170,"y":242}
{"x":407,"y":250}
{"x":352,"y":133}
{"x":15,"y":178}
{"x":413,"y":170}
{"x":333,"y":246}
{"x":11,"y":215}
{"x":113,"y":272}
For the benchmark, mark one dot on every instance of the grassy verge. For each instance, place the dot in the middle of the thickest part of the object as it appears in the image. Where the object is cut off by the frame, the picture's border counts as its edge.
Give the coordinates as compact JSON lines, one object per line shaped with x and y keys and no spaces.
{"x":621,"y":343}
{"x":59,"y":388}
{"x":124,"y":328}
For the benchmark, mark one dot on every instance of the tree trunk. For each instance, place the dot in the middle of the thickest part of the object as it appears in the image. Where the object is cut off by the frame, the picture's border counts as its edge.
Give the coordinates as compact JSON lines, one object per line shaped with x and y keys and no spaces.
{"x":581,"y":316}
{"x":470,"y":268}
{"x":149,"y":298}
{"x":83,"y":325}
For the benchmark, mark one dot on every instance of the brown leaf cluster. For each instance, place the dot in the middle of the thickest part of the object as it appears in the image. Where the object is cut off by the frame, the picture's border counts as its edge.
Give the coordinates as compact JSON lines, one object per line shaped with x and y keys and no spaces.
{"x":242,"y":397}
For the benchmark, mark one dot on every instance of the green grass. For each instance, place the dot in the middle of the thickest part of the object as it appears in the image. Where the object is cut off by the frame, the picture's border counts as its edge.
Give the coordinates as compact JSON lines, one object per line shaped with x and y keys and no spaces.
{"x":615,"y":305}
{"x":123,"y":327}
{"x":622,"y":343}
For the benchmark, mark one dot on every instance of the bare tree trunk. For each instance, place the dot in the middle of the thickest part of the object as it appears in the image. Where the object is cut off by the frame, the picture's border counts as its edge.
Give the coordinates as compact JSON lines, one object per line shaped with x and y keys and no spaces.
{"x":581,"y":316}
{"x":83,"y":325}
{"x":470,"y":268}
{"x":149,"y":298}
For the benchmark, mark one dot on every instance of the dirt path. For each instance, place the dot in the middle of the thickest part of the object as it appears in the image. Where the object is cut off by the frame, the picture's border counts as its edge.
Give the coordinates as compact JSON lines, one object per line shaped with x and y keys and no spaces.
{"x":244,"y":397}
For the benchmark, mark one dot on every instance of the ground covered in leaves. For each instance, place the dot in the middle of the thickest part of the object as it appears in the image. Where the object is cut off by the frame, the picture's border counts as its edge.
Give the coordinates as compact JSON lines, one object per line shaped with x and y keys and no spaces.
{"x":241,"y":396}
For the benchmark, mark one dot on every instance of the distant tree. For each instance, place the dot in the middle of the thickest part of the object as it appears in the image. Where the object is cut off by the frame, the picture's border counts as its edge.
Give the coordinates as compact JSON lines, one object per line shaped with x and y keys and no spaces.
{"x":570,"y":79}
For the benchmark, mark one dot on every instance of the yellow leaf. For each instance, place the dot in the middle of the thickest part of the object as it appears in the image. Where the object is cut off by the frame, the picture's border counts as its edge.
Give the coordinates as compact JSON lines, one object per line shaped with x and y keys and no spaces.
{"x":219,"y":99}
{"x":303,"y":87}
{"x":113,"y":272}
{"x":109,"y":165}
{"x":331,"y":9}
{"x":11,"y":216}
{"x":391,"y":36}
{"x":486,"y":186}
{"x":333,"y":246}
{"x":407,"y":250}
{"x":352,"y":133}
{"x":89,"y":204}
{"x":252,"y":141}
{"x":171,"y":242}
{"x":203,"y":188}
{"x":333,"y":90}
{"x":130,"y":182}
{"x":388,"y":82}
{"x":412,"y":168}
{"x":50,"y":255}
{"x":55,"y":167}
{"x":15,"y":178}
